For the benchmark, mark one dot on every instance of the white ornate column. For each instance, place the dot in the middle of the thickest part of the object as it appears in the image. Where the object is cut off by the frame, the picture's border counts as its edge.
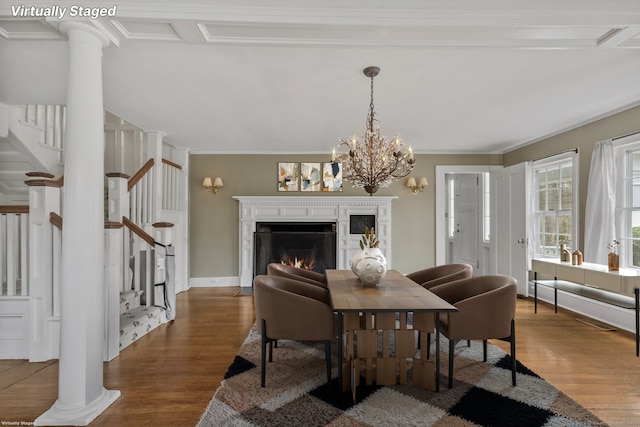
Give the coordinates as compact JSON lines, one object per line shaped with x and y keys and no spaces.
{"x":81,"y":395}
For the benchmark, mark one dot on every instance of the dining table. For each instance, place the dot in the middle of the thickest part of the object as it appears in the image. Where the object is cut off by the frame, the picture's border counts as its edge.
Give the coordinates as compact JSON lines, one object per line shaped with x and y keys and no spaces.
{"x":384,"y":329}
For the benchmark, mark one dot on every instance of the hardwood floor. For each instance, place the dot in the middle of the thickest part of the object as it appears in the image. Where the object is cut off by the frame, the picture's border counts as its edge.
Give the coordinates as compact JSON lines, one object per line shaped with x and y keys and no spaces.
{"x":168,"y":377}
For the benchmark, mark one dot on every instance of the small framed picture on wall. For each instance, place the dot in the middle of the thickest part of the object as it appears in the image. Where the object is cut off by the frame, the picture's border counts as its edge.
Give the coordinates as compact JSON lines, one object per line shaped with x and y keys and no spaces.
{"x":310,"y":177}
{"x":332,"y":176}
{"x":288,"y":176}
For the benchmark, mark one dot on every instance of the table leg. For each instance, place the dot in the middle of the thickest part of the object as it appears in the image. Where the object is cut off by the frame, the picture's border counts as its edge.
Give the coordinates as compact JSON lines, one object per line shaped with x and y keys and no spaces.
{"x":637,"y":292}
{"x":535,"y":291}
{"x":340,"y":349}
{"x":437,"y":321}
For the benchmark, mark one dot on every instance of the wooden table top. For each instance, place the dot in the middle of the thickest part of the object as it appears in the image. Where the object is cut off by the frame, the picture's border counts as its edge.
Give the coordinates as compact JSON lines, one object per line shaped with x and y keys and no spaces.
{"x":395,"y":293}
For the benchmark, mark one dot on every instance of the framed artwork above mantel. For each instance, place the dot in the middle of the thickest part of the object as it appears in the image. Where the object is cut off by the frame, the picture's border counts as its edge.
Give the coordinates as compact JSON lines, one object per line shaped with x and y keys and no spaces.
{"x":310,"y":176}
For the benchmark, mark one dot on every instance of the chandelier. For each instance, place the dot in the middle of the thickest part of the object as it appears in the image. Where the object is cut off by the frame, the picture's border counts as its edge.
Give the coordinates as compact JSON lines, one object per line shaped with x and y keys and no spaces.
{"x":373,"y":161}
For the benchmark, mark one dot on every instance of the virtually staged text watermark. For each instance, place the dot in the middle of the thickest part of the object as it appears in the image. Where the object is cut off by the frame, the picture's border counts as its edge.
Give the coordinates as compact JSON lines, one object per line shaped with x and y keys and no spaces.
{"x":59,"y":12}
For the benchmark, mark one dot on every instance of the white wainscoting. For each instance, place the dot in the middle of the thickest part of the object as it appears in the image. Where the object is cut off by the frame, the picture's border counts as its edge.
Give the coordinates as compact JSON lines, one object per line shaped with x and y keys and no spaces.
{"x":338,"y":209}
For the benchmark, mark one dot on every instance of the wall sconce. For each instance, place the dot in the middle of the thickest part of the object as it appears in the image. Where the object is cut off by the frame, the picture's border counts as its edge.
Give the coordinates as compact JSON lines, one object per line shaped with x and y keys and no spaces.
{"x":214,"y":186}
{"x":419,"y":187}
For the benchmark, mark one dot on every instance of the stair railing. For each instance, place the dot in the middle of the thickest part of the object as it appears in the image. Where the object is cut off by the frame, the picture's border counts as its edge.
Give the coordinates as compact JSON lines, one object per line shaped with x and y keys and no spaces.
{"x":142,"y":259}
{"x":14,"y":244}
{"x":49,"y":118}
{"x":141,"y":193}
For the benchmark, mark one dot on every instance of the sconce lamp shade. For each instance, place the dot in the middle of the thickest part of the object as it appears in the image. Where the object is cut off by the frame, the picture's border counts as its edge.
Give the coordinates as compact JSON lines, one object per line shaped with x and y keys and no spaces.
{"x":213,"y":185}
{"x":419,"y":187}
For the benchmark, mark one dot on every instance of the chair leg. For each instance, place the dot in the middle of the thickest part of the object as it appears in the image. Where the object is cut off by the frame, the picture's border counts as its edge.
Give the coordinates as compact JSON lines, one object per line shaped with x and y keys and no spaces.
{"x":452,"y":346}
{"x":484,"y":349}
{"x":468,"y":343}
{"x":263,"y":352}
{"x":327,"y":356}
{"x":513,"y":352}
{"x":428,"y":344}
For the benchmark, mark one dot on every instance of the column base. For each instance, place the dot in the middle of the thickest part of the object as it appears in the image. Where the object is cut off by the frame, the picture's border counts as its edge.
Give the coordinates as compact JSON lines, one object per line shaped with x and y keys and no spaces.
{"x":80,"y":416}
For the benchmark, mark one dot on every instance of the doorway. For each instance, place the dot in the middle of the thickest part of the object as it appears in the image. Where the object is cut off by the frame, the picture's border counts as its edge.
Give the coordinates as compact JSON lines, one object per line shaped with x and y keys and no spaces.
{"x":464,"y":222}
{"x":463,"y":216}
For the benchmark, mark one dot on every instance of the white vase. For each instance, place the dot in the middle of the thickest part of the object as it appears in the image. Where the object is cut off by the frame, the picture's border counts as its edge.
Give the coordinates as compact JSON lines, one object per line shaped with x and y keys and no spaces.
{"x":355,"y":259}
{"x":370,"y":266}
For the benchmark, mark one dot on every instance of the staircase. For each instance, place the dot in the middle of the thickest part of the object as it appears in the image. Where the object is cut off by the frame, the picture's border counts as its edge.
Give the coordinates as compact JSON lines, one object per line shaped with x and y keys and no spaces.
{"x":136,"y":320}
{"x":30,"y":140}
{"x":145,"y":206}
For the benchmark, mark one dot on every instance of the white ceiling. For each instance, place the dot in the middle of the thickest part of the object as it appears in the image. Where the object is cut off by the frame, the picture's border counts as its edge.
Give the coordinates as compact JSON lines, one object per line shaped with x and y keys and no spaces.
{"x":285,"y":76}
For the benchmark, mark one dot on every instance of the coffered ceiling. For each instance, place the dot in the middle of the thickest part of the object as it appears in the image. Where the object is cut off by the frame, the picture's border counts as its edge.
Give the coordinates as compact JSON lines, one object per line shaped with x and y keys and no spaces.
{"x":285,"y":76}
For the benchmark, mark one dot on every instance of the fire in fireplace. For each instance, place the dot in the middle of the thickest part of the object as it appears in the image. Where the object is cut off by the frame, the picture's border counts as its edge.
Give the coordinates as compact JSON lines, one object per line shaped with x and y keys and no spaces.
{"x":311,"y":246}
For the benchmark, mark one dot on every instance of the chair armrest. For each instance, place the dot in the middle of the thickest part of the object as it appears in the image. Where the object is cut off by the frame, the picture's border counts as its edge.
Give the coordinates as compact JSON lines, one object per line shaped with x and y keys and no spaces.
{"x":421,"y":276}
{"x":292,"y":316}
{"x":484,"y":316}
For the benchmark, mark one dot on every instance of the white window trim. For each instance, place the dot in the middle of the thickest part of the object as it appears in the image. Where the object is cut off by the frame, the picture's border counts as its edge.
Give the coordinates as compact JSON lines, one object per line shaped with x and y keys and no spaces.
{"x":621,"y":147}
{"x":575,"y":182}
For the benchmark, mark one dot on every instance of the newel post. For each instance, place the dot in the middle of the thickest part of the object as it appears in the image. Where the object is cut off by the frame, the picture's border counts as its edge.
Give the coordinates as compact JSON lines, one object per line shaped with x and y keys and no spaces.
{"x":44,"y":198}
{"x":154,"y":151}
{"x":113,"y":285}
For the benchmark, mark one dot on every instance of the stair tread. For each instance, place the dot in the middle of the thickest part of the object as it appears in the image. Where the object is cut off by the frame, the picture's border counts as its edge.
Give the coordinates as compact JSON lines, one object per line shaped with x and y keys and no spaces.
{"x":137,"y":316}
{"x":129,"y":299}
{"x":131,"y":293}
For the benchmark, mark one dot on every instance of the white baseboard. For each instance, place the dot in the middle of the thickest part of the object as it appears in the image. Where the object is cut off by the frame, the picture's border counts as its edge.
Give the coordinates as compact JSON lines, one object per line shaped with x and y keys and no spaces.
{"x":615,"y":316}
{"x":213,"y":282}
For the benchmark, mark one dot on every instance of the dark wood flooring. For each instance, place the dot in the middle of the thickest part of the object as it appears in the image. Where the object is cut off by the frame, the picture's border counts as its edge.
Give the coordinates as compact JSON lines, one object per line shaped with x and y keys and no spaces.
{"x":168,"y":377}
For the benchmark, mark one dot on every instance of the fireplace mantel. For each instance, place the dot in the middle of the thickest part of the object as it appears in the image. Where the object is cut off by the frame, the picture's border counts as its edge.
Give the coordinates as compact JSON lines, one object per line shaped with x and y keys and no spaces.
{"x":338,"y":209}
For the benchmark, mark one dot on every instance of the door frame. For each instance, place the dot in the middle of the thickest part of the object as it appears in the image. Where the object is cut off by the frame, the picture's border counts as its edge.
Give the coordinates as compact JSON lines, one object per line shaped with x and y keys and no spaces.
{"x":441,"y":194}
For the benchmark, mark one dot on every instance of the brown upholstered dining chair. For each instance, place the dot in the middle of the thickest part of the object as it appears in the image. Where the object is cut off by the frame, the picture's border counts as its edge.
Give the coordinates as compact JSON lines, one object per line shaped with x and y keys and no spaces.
{"x":434,"y":276}
{"x":292,"y":310}
{"x":486,"y":310}
{"x":301,"y":274}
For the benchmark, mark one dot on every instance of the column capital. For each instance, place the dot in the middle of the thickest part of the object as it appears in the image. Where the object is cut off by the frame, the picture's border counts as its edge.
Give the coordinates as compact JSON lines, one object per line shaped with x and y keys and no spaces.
{"x":70,"y":25}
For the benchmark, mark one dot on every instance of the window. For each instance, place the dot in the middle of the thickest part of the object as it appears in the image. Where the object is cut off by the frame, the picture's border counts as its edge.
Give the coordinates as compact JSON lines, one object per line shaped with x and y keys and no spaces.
{"x":554,"y":205}
{"x":628,"y":201}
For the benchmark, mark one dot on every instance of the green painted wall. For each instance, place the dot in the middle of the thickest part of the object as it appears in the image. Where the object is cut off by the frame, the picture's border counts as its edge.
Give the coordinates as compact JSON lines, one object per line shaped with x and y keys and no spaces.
{"x":214,"y":218}
{"x":584,"y":138}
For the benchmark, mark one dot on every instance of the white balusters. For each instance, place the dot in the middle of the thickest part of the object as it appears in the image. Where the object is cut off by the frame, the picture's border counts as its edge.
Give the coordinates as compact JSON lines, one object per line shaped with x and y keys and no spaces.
{"x":171,"y":176}
{"x":51,"y":119}
{"x":13,"y":254}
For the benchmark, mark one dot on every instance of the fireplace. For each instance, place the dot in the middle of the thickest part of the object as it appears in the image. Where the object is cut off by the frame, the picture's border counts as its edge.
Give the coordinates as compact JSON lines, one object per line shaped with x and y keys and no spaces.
{"x":308,"y":245}
{"x":338,"y":210}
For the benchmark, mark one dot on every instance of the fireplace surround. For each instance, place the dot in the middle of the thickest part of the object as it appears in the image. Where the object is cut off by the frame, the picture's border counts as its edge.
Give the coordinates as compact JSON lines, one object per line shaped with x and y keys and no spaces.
{"x":340,"y":210}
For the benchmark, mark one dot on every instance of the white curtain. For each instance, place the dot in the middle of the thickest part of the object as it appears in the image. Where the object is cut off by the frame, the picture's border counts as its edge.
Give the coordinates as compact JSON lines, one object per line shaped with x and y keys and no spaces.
{"x":600,"y":224}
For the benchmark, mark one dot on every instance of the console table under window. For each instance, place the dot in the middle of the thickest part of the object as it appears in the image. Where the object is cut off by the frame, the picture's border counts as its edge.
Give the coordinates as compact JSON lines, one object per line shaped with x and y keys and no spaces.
{"x":619,"y":288}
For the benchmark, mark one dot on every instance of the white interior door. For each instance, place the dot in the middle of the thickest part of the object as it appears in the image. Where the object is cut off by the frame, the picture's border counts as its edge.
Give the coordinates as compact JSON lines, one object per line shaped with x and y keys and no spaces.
{"x":466,"y":234}
{"x":509,"y":224}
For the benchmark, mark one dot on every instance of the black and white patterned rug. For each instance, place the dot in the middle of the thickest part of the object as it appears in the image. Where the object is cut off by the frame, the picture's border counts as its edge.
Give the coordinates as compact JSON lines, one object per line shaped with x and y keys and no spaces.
{"x":297,"y":394}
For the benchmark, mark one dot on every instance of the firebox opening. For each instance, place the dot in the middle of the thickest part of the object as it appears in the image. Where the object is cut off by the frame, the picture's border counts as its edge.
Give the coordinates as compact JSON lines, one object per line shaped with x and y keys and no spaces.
{"x":308,"y":245}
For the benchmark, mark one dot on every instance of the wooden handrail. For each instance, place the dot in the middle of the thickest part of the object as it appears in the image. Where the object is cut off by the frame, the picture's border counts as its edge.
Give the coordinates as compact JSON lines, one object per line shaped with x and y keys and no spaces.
{"x":138,"y":175}
{"x":14,"y":209}
{"x":170,"y":163}
{"x":139,"y":231}
{"x":56,"y":220}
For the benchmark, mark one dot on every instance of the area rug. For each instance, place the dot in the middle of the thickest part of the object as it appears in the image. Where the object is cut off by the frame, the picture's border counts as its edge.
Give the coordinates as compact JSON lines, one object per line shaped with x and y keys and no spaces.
{"x":297,"y":394}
